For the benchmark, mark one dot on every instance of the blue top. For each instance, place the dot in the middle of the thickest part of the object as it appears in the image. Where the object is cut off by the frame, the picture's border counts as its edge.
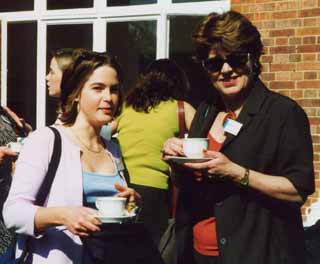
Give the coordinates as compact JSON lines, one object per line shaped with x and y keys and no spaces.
{"x":97,"y":185}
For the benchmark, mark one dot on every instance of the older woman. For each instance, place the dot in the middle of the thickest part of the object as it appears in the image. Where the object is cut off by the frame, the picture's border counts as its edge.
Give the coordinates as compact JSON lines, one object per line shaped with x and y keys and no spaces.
{"x":89,"y":166}
{"x":243,"y":205}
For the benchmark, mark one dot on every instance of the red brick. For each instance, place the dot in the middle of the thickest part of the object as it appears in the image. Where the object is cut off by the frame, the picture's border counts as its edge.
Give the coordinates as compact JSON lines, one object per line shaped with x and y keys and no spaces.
{"x":309,"y":57}
{"x":282,"y":85}
{"x":267,"y":59}
{"x":308,"y":84}
{"x":308,"y":48}
{"x":282,"y":41}
{"x":282,"y":67}
{"x":307,"y":66}
{"x":310,"y":75}
{"x":282,"y":33}
{"x":282,"y":49}
{"x":308,"y":31}
{"x":309,"y":22}
{"x":309,"y":40}
{"x":267,"y":76}
{"x":284,"y":15}
{"x":309,"y":103}
{"x":313,"y":12}
{"x":295,"y":94}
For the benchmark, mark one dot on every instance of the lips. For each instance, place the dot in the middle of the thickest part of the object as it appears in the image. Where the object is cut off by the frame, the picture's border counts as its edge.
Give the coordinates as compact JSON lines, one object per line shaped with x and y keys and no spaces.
{"x":106,"y":110}
{"x":229,"y":82}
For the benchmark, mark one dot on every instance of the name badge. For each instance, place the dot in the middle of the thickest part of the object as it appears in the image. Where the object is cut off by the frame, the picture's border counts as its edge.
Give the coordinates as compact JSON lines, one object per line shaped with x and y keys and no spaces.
{"x":231,"y":126}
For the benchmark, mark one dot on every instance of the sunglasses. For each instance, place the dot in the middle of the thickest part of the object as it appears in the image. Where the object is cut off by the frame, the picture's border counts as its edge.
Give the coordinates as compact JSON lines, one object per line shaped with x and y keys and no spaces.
{"x":235,"y":60}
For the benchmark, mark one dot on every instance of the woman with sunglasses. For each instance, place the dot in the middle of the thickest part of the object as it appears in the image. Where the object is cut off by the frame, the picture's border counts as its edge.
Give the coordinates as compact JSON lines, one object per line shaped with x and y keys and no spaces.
{"x":243,"y":205}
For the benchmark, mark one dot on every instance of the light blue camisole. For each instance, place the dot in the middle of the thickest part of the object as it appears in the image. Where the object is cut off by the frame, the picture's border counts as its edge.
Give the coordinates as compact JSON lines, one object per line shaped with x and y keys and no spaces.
{"x":97,"y":185}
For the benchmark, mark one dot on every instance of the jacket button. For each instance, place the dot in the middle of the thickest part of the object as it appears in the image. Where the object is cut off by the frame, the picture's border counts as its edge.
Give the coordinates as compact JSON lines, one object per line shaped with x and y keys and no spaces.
{"x":219,"y":204}
{"x":223,"y":241}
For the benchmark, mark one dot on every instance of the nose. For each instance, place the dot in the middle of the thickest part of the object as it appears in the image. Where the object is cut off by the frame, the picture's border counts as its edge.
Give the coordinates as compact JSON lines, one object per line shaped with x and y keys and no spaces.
{"x":226,"y":68}
{"x":47,"y":76}
{"x":106,"y":94}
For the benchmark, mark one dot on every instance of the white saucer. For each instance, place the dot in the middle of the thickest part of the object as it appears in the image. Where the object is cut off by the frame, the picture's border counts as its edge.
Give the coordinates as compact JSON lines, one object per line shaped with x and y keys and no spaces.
{"x":181,"y":160}
{"x":115,"y":219}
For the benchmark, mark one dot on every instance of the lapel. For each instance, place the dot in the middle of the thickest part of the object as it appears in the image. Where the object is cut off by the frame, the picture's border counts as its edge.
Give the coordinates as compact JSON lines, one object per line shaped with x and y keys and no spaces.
{"x":251,"y":107}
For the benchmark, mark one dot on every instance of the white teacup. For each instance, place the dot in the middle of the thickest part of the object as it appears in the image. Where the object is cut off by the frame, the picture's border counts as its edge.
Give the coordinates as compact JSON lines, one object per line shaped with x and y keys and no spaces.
{"x":193,"y":147}
{"x":111,"y":206}
{"x":15,"y":146}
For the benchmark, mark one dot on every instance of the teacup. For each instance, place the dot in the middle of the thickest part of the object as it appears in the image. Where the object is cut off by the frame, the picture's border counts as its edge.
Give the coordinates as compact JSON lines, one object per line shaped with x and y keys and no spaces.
{"x":15,"y":146}
{"x":111,"y":206}
{"x":193,"y":147}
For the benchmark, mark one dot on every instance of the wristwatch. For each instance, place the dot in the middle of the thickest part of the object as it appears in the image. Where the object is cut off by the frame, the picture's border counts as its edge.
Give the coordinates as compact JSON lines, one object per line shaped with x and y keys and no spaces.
{"x":244,"y":181}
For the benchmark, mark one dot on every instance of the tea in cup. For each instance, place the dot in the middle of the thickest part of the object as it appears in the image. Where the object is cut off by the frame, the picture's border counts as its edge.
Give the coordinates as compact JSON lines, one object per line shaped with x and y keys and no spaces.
{"x":194,"y":147}
{"x":111,"y":206}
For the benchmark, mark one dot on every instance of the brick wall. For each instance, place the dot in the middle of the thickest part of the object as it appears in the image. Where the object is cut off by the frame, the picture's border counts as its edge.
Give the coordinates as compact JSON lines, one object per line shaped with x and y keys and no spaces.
{"x":291,"y":63}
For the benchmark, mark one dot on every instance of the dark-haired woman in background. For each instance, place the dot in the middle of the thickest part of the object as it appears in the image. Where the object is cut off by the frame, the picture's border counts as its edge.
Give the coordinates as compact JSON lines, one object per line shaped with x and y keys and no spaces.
{"x":148,"y":118}
{"x":242,"y":206}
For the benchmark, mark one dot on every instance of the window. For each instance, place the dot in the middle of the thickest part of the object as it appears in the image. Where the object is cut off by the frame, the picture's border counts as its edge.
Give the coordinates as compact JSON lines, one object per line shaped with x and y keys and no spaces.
{"x":58,"y":4}
{"x":136,"y":31}
{"x":16,"y":5}
{"x":22,"y":67}
{"x":134,"y":43}
{"x":129,"y":2}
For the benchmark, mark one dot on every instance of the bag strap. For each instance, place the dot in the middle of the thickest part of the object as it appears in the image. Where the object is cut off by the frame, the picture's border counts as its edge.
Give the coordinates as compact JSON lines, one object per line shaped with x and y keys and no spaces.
{"x":182,"y":131}
{"x":52,"y":168}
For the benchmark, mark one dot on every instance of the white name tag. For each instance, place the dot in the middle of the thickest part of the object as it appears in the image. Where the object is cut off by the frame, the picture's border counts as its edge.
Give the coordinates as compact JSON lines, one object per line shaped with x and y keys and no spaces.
{"x":231,"y":126}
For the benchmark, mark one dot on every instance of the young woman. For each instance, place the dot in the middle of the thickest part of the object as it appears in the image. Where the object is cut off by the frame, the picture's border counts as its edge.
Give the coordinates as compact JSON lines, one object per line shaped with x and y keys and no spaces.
{"x":242,"y":206}
{"x":149,"y":117}
{"x":89,"y":166}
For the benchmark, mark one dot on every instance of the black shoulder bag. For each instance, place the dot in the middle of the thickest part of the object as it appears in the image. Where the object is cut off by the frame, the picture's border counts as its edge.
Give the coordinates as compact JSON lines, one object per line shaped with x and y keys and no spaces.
{"x":40,"y":198}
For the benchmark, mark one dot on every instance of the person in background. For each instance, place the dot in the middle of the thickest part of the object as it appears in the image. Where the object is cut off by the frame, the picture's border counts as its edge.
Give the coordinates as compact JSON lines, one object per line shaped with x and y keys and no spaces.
{"x":60,"y":61}
{"x":89,"y":166}
{"x":11,"y":127}
{"x":148,"y":118}
{"x":243,"y":205}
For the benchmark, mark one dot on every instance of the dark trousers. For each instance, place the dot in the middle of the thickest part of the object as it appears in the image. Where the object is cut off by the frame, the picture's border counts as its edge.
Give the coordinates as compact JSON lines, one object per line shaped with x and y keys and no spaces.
{"x":201,"y":259}
{"x":155,"y":210}
{"x":312,"y":239}
{"x":121,"y":244}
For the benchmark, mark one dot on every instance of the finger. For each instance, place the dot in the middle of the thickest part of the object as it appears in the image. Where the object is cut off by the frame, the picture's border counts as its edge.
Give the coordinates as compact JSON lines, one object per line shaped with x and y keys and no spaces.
{"x":120,"y":187}
{"x":199,"y":166}
{"x":13,"y":116}
{"x":211,"y":154}
{"x":86,"y":225}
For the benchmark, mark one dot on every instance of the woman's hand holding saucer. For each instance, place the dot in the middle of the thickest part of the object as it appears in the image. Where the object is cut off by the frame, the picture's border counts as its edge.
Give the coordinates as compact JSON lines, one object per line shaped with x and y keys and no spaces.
{"x":172,"y":147}
{"x":219,"y":165}
{"x":81,"y":220}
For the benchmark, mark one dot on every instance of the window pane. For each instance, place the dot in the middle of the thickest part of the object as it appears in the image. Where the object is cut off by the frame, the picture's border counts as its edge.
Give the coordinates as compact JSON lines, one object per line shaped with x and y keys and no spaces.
{"x":135,"y":46}
{"x":58,"y":4}
{"x":65,"y":36}
{"x":182,"y":51}
{"x":190,"y":1}
{"x":16,"y":5}
{"x":129,"y":2}
{"x":22,"y":69}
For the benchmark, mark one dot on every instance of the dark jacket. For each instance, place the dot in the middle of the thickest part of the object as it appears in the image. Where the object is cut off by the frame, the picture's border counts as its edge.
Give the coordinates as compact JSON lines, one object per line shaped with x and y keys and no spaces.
{"x":252,"y":228}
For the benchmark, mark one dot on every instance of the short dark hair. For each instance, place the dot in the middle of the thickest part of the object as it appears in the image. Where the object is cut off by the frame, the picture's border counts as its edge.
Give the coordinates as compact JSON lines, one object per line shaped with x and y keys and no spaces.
{"x":75,"y":76}
{"x":229,"y":32}
{"x":162,"y":80}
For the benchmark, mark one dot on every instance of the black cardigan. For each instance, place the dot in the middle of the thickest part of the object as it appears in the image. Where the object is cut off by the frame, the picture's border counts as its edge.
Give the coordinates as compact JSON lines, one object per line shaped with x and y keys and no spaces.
{"x":252,"y":228}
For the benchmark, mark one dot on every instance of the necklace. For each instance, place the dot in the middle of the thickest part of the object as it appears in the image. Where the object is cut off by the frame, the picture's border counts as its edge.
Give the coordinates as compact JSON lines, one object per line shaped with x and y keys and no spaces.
{"x":85,"y":145}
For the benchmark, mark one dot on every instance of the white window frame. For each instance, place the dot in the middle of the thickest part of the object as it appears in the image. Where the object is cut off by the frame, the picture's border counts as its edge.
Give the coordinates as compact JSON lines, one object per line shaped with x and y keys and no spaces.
{"x":99,"y":15}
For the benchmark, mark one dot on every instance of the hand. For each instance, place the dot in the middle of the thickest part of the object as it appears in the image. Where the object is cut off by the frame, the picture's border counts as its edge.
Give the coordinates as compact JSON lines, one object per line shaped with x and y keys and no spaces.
{"x":172,"y":147}
{"x":129,"y":193}
{"x":19,"y":121}
{"x":81,"y":220}
{"x":220,"y":165}
{"x":5,"y":151}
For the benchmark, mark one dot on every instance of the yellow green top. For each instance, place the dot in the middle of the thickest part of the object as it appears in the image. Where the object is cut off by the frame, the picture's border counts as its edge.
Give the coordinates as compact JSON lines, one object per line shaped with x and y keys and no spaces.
{"x":141,"y":137}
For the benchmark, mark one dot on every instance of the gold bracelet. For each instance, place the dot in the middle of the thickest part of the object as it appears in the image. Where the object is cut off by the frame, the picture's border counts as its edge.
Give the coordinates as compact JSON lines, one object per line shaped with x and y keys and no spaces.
{"x":244,"y":181}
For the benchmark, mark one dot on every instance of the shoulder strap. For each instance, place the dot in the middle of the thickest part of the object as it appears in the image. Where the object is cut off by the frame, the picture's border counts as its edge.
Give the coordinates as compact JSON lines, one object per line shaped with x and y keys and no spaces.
{"x":181,"y":119}
{"x":53,"y":165}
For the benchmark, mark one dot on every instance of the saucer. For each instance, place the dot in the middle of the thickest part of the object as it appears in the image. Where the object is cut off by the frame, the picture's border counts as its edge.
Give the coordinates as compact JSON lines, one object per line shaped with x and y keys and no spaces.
{"x":181,"y":160}
{"x":115,"y":219}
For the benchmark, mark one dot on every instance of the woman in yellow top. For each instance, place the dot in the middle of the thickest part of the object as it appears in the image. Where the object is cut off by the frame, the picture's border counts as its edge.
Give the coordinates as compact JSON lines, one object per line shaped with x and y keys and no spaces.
{"x":148,"y":118}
